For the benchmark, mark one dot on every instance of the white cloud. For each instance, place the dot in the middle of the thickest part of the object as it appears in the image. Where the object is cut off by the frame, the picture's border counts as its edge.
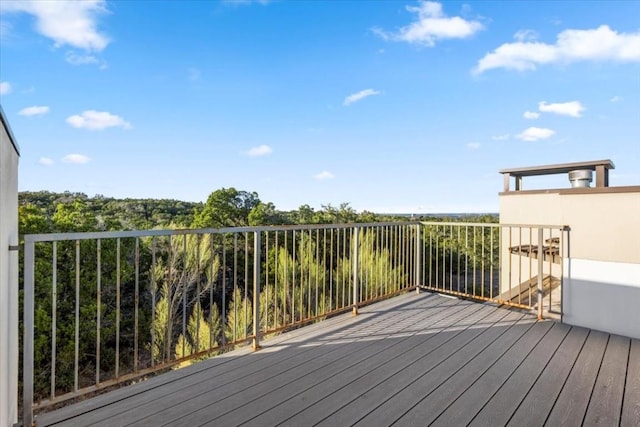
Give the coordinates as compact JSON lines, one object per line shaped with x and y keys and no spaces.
{"x":431,"y":25}
{"x":616,"y":99}
{"x":97,"y":120}
{"x":5,"y":88}
{"x":573,"y":108}
{"x":535,"y":134}
{"x":45,"y":161}
{"x":66,"y":22}
{"x":261,"y":150}
{"x":36,"y":110}
{"x":78,"y":159}
{"x":600,"y":44}
{"x":360,"y":96}
{"x":526,"y":35}
{"x":74,"y":58}
{"x":501,"y":137}
{"x":531,"y":115}
{"x":473,"y":145}
{"x":324,"y":175}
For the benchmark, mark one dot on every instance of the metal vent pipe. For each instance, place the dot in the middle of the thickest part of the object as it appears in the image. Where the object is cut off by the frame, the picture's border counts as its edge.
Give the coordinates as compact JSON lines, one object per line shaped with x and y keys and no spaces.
{"x":580,"y":178}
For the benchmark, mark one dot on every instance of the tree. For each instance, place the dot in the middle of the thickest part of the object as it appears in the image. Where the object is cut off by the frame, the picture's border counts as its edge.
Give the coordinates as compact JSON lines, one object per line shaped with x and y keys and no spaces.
{"x":340,"y":215}
{"x":184,"y":274}
{"x":201,"y":334}
{"x":305,"y":215}
{"x":32,"y":220}
{"x":239,"y":317}
{"x":265,"y":214}
{"x":76,"y":216}
{"x":226,"y":207}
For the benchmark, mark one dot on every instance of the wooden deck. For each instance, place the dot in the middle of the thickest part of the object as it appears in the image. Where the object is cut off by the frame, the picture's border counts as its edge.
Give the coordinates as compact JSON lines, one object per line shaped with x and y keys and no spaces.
{"x":412,"y":360}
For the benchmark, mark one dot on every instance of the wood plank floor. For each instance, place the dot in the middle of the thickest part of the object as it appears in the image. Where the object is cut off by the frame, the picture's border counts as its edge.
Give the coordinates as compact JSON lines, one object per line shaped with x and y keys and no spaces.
{"x":412,"y":360}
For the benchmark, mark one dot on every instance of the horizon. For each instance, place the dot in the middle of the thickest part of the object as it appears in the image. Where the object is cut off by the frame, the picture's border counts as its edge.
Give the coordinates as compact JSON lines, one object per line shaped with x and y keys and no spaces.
{"x":400,"y":107}
{"x":398,"y":214}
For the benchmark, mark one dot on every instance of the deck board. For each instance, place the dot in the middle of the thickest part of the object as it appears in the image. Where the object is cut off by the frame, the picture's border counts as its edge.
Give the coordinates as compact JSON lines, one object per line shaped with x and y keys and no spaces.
{"x":606,"y":400}
{"x":571,"y":405}
{"x":500,"y":408}
{"x":262,"y":396}
{"x":421,"y":379}
{"x":461,"y":409}
{"x":535,"y":408}
{"x":631,"y":402}
{"x":262,"y":383}
{"x":405,"y":353}
{"x":413,"y":359}
{"x":430,"y":407}
{"x":347,"y":404}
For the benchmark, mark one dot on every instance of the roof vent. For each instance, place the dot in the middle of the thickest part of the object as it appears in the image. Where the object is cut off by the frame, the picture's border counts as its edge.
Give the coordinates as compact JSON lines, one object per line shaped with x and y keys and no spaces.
{"x":580,"y":178}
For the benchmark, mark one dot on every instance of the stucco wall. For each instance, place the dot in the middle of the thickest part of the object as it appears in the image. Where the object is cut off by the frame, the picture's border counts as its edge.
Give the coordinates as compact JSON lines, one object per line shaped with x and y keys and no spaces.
{"x":8,"y":278}
{"x":601,"y":274}
{"x":603,"y":295}
{"x":604,"y":225}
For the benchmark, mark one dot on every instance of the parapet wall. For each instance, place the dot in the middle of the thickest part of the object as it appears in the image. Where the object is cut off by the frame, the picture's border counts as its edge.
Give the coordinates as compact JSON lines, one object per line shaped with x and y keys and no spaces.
{"x":601,"y":265}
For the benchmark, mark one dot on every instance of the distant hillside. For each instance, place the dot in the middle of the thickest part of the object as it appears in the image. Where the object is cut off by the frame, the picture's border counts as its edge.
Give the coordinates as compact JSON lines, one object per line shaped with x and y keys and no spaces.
{"x":127,"y":213}
{"x":45,"y":211}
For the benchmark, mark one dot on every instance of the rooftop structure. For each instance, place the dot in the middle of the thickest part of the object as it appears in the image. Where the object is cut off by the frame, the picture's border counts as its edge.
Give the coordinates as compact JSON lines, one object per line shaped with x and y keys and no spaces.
{"x":600,"y":272}
{"x":601,"y":168}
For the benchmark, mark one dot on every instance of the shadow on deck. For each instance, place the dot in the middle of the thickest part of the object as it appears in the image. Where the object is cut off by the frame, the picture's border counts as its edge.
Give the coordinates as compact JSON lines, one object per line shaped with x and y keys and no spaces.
{"x":413,"y":360}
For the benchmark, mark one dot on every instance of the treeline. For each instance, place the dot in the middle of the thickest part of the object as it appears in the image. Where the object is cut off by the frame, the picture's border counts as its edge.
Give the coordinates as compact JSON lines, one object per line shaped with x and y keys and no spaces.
{"x":108,"y":213}
{"x":45,"y":212}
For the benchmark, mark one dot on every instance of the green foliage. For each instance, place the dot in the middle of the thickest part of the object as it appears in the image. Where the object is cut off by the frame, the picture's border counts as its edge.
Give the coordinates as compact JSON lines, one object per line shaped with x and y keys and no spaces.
{"x":108,"y":213}
{"x":226,"y":207}
{"x":329,"y":214}
{"x":160,"y":326}
{"x":265,"y":214}
{"x":201,"y":333}
{"x":184,"y":276}
{"x":239,"y":317}
{"x":377,"y":273}
{"x":32,"y":220}
{"x":74,"y":216}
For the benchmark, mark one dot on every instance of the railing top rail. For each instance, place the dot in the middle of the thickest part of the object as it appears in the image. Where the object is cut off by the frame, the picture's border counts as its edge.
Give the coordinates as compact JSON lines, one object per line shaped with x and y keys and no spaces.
{"x":50,"y":237}
{"x":496,"y":225}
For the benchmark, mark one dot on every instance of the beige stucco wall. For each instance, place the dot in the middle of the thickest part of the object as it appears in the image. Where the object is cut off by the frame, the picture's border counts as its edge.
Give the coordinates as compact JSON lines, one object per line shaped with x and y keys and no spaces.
{"x":601,"y":265}
{"x":8,"y":279}
{"x":604,"y":225}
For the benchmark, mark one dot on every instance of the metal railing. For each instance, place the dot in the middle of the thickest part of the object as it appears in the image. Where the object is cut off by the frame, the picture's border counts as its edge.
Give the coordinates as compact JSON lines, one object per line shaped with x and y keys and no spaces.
{"x":511,"y":264}
{"x":109,"y":307}
{"x":104,"y":308}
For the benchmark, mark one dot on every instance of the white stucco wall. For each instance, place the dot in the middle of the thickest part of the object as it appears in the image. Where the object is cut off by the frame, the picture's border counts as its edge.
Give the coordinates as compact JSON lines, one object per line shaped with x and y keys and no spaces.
{"x":602,"y":295}
{"x":8,"y":277}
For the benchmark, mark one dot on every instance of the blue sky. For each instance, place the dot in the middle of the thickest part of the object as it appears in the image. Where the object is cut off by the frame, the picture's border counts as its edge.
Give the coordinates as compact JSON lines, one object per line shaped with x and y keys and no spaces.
{"x":391,"y":106}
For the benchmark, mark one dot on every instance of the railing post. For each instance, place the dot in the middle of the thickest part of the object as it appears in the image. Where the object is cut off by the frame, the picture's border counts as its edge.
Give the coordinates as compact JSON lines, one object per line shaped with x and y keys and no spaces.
{"x":257,"y":248}
{"x":27,"y":345}
{"x":355,"y":271}
{"x":564,"y":255}
{"x":540,"y":270}
{"x":418,"y":258}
